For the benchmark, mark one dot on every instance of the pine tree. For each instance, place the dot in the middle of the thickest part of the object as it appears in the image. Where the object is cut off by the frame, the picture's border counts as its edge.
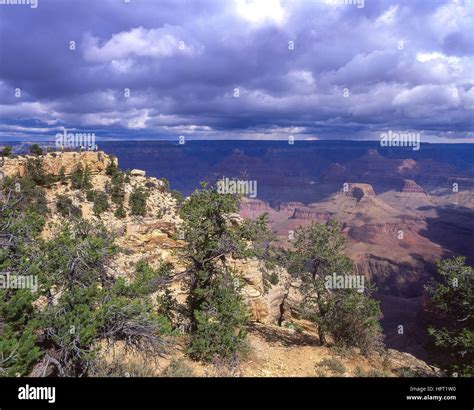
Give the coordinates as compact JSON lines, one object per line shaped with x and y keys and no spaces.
{"x":350,"y":317}
{"x":217,"y":312}
{"x":453,"y":305}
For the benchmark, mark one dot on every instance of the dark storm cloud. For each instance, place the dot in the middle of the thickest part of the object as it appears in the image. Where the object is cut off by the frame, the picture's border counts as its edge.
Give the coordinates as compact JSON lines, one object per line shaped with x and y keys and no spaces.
{"x":354,"y":71}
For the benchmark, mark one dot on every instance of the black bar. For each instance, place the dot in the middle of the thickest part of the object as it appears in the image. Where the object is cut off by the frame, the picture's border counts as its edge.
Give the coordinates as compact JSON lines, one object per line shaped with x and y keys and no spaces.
{"x":242,"y":393}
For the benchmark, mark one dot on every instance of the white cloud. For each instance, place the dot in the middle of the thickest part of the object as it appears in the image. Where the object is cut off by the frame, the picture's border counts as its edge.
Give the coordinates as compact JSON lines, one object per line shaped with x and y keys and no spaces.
{"x":260,"y":11}
{"x":388,"y":17}
{"x":424,"y":57}
{"x":428,"y":94}
{"x":159,"y":43}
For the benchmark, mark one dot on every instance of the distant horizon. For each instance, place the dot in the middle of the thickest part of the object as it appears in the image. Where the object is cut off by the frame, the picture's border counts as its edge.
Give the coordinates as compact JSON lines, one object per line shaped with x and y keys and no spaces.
{"x":101,"y":139}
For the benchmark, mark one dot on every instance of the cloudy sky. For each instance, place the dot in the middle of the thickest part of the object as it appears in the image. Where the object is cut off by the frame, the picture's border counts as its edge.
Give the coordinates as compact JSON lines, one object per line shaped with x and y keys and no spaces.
{"x":264,"y":69}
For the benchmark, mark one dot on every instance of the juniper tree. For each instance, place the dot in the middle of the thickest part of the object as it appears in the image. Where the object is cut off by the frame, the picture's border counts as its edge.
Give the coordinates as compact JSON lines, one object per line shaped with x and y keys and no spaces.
{"x":35,"y":171}
{"x":350,"y":317}
{"x":112,"y":167}
{"x":452,"y":301}
{"x":137,"y":202}
{"x":66,"y":208}
{"x":36,"y":150}
{"x":117,"y":190}
{"x":217,"y":312}
{"x":6,"y":151}
{"x":80,"y":179}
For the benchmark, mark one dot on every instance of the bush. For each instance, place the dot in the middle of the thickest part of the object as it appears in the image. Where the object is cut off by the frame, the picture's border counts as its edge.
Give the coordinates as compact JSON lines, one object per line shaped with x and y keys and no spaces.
{"x":62,"y":176}
{"x":66,"y":208}
{"x":350,"y":317}
{"x":137,"y":202}
{"x":80,"y":179}
{"x":219,"y":326}
{"x":6,"y":151}
{"x":117,"y":189}
{"x":452,"y":303}
{"x":101,"y":203}
{"x":178,"y":196}
{"x":36,"y":172}
{"x":120,"y":212}
{"x":26,"y":194}
{"x":112,"y":167}
{"x":35,"y":149}
{"x":359,"y":372}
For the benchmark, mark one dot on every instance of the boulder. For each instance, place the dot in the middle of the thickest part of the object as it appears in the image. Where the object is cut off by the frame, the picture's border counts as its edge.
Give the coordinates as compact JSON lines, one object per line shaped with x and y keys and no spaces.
{"x":137,"y":173}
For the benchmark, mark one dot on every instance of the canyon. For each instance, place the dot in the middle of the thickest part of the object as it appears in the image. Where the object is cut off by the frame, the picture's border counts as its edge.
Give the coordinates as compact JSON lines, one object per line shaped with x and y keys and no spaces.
{"x":370,"y":224}
{"x":400,"y":210}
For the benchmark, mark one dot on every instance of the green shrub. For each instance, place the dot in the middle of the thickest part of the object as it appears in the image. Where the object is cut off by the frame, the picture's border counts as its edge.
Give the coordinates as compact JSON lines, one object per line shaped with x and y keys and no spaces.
{"x":112,"y":167}
{"x":178,"y":196}
{"x":220,"y":329}
{"x":36,"y":172}
{"x":350,"y":317}
{"x":66,"y":208}
{"x":99,"y":198}
{"x":35,"y":149}
{"x":452,"y":302}
{"x":80,"y":179}
{"x":137,"y":202}
{"x":117,"y":188}
{"x":120,"y":212}
{"x":62,"y":176}
{"x":6,"y":151}
{"x":26,"y":195}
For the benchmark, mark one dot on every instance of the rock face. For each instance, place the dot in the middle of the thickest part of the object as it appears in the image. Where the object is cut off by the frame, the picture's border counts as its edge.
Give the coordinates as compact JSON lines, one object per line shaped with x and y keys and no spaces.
{"x":411,"y":186}
{"x":270,"y":305}
{"x":288,"y":207}
{"x":360,"y":191}
{"x":310,"y":214}
{"x":254,"y":205}
{"x":94,"y":161}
